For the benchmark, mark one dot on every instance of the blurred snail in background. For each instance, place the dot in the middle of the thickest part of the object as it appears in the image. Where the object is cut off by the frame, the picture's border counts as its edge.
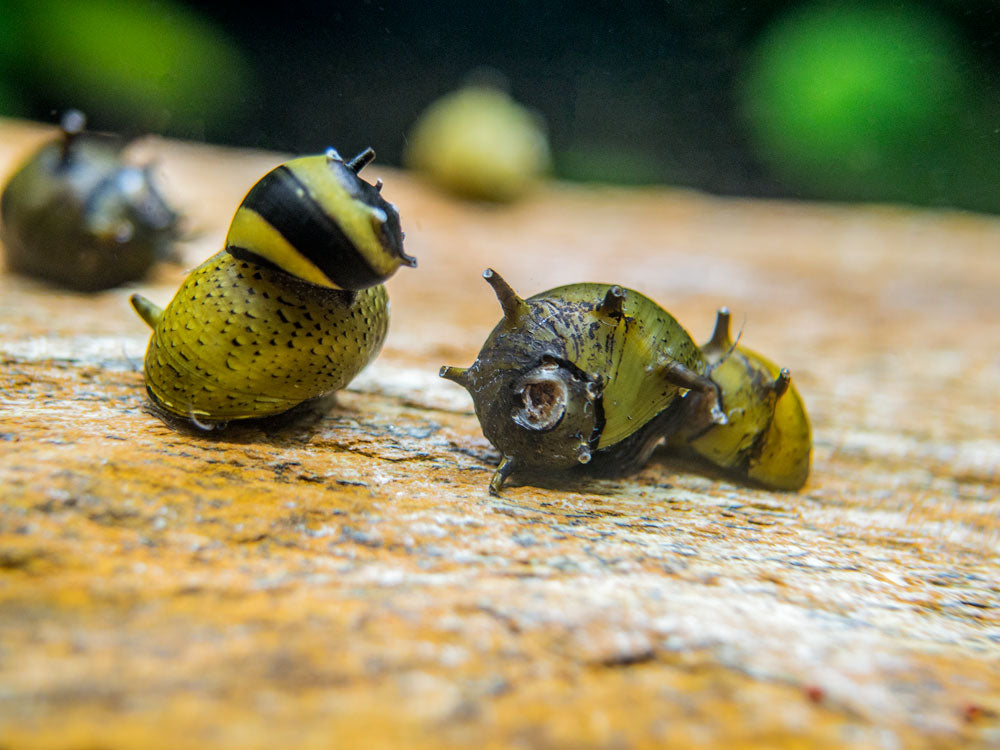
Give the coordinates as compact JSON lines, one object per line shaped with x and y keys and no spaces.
{"x":293,"y":307}
{"x":76,"y":214}
{"x":477,"y":142}
{"x":766,"y":437}
{"x":585,"y":375}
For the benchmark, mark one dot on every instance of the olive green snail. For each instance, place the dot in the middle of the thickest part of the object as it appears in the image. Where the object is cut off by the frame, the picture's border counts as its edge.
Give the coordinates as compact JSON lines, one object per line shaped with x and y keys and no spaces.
{"x":291,"y":309}
{"x":478,"y":143}
{"x":766,"y":437}
{"x":77,"y":214}
{"x":585,"y":374}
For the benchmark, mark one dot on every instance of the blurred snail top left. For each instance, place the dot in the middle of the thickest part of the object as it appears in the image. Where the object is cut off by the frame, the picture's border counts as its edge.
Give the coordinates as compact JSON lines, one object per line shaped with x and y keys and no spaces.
{"x":76,"y":214}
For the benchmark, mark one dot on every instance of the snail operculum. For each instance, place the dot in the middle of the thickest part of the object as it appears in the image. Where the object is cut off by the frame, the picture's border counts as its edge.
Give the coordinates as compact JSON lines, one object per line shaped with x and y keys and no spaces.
{"x":543,"y":395}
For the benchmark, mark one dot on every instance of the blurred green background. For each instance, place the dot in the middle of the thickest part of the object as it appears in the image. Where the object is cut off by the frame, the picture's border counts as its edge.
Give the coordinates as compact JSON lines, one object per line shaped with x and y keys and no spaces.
{"x":876,"y":101}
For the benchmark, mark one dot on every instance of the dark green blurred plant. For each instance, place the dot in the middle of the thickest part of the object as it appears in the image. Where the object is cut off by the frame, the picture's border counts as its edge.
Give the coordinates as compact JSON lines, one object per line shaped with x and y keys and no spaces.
{"x":130,"y":64}
{"x":888,"y":100}
{"x":616,"y":164}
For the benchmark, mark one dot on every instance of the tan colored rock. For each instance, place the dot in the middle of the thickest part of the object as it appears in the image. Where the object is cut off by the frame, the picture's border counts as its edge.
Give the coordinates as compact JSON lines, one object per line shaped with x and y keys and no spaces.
{"x":349,"y":583}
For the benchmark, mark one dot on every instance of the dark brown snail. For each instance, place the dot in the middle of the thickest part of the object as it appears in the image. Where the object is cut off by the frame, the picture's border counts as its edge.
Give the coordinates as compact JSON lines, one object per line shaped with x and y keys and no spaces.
{"x":585,"y":374}
{"x":76,"y":214}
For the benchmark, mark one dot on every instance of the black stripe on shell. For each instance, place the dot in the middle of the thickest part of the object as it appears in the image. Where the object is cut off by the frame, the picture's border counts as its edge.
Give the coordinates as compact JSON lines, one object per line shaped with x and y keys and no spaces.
{"x":286,"y":204}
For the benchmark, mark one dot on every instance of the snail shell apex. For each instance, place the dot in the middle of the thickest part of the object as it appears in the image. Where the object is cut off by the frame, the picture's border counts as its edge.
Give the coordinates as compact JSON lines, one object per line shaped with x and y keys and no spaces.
{"x":315,"y":219}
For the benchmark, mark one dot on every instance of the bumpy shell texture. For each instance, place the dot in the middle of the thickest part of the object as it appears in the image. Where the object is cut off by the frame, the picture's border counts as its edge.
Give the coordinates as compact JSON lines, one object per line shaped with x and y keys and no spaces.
{"x":291,"y":310}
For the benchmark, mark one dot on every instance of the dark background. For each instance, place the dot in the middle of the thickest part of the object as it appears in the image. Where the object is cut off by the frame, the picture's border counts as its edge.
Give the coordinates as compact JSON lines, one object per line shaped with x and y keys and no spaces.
{"x":639,"y":92}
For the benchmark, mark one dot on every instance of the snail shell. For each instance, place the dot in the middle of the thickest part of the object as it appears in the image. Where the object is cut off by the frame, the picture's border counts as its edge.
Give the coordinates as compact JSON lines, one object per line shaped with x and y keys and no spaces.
{"x":76,"y":214}
{"x":591,"y":374}
{"x":766,"y":437}
{"x":293,"y":307}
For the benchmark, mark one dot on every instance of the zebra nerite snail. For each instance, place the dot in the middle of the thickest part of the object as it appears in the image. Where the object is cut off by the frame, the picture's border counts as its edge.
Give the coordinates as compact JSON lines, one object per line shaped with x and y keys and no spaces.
{"x":293,"y":307}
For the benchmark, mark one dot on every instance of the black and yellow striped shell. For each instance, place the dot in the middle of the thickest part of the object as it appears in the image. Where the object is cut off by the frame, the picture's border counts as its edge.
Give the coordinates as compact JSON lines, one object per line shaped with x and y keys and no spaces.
{"x":76,"y":214}
{"x":293,"y":307}
{"x":767,"y":437}
{"x":590,"y":374}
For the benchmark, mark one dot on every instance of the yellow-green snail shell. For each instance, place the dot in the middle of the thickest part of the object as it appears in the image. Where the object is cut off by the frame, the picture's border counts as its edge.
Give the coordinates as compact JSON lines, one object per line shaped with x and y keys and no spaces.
{"x":77,"y":214}
{"x":766,"y":437}
{"x":293,"y":307}
{"x":590,"y":375}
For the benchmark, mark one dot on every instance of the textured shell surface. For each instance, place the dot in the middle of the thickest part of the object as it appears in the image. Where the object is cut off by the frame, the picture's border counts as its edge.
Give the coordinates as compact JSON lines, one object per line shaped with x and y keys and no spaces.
{"x":294,"y":306}
{"x":621,"y":350}
{"x":580,"y":374}
{"x":241,"y":341}
{"x":767,"y":436}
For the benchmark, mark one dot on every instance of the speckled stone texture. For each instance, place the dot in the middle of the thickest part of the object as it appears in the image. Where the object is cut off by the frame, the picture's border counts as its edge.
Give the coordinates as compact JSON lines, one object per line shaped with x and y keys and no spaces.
{"x":347,"y":581}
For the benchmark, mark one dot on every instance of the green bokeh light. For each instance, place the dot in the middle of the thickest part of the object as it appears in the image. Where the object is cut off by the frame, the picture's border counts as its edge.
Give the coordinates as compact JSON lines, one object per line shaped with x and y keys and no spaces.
{"x":856,"y":100}
{"x":151,"y":63}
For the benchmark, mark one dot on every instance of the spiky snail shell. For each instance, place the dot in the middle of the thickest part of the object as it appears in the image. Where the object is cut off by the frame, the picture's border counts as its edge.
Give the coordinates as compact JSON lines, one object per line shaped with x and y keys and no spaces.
{"x":77,"y":214}
{"x":591,"y":374}
{"x":291,"y":309}
{"x":766,"y":437}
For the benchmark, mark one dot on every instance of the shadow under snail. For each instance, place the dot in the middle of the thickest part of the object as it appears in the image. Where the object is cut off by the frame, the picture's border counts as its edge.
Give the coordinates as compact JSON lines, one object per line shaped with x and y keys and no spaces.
{"x":594,"y":376}
{"x":293,"y":307}
{"x":76,"y":214}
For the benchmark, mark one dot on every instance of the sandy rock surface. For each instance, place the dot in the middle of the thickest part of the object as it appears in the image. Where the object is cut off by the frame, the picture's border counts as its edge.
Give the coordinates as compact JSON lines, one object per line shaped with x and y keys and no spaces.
{"x":349,"y":583}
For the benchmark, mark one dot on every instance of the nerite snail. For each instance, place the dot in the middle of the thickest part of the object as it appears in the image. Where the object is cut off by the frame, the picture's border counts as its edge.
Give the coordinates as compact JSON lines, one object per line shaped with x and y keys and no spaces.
{"x":590,"y":374}
{"x":76,"y":214}
{"x":293,"y":307}
{"x":766,"y":437}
